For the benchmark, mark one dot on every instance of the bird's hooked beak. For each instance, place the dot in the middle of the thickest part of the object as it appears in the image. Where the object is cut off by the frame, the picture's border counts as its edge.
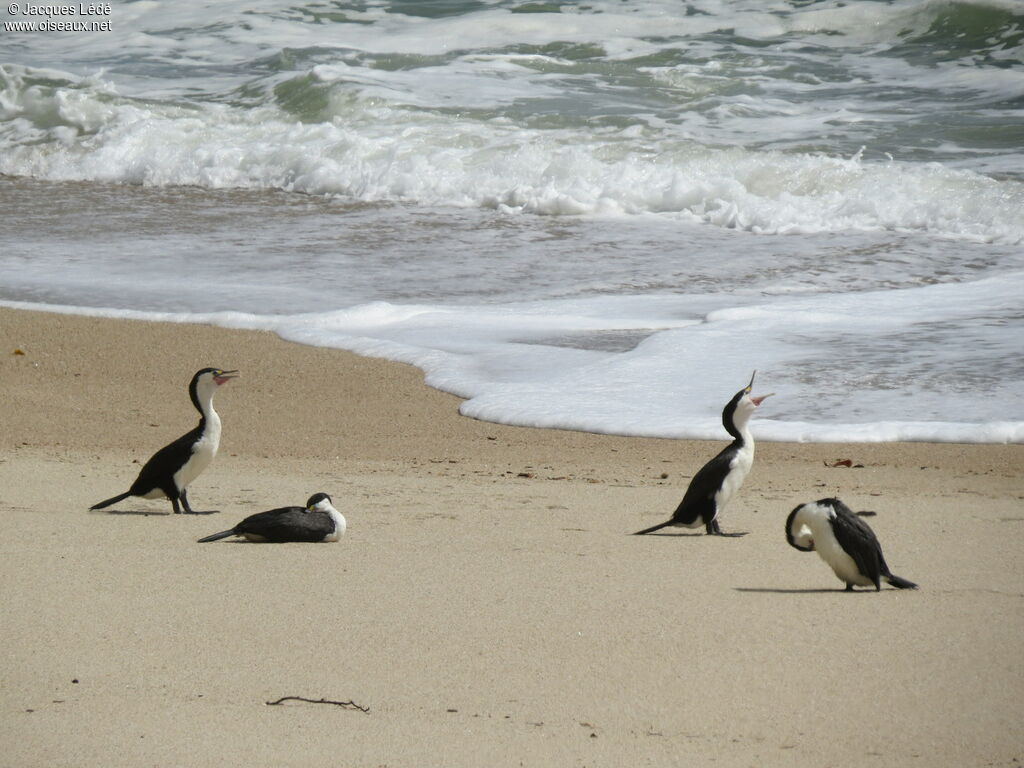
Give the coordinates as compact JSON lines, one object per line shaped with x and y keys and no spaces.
{"x":756,"y":400}
{"x":223,"y":377}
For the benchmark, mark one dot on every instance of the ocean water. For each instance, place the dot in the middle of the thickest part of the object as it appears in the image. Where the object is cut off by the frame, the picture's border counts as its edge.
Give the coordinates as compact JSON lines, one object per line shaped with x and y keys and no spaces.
{"x":590,"y":215}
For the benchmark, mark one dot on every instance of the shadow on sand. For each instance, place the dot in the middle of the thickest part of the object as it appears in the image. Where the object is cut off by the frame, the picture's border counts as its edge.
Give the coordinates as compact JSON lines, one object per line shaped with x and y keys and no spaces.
{"x":149,"y":512}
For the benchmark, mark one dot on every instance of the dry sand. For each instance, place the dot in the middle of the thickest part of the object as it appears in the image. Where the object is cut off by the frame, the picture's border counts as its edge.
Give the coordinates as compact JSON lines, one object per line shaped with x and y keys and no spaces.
{"x":487,"y":604}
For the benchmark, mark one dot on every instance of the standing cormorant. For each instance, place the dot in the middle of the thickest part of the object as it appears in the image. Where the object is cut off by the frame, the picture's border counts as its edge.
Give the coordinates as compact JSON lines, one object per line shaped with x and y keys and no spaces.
{"x":718,"y":480}
{"x":171,"y":469}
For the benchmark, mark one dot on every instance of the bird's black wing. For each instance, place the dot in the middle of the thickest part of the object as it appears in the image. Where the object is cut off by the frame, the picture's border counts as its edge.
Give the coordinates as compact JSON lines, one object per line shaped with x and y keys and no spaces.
{"x":699,"y":499}
{"x":859,"y":541}
{"x":287,"y":524}
{"x":162,"y":465}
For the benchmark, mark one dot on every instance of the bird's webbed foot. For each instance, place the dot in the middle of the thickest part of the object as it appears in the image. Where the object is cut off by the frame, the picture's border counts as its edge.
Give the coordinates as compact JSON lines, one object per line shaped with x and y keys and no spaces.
{"x":188,"y":507}
{"x":713,"y":529}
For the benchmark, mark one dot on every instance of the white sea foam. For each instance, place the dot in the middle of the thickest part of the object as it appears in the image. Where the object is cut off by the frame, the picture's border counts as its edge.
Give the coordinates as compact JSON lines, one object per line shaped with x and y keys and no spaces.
{"x":827,"y":357}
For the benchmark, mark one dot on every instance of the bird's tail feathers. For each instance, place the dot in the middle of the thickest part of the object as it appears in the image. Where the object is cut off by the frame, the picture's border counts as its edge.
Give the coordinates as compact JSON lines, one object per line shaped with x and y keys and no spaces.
{"x":112,"y":500}
{"x":653,"y":528}
{"x":217,"y":536}
{"x":899,"y":583}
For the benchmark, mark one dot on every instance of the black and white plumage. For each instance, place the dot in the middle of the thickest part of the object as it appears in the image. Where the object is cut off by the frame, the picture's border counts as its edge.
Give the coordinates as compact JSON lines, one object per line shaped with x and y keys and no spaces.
{"x":844,"y":541}
{"x":317,"y":521}
{"x":171,"y":469}
{"x":718,"y":480}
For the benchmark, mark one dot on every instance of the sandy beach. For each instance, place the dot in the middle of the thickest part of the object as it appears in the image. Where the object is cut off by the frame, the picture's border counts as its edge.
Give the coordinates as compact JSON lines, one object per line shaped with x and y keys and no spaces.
{"x":487,"y":605}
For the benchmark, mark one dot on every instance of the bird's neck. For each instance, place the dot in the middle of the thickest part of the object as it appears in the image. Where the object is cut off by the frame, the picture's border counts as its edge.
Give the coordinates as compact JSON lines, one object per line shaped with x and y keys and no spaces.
{"x":741,"y":434}
{"x":209,"y":420}
{"x":339,"y":520}
{"x":812,"y":516}
{"x":339,"y":523}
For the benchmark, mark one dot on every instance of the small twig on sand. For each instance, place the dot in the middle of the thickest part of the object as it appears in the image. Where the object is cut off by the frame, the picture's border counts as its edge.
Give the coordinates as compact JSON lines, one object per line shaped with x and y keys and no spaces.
{"x":344,"y":704}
